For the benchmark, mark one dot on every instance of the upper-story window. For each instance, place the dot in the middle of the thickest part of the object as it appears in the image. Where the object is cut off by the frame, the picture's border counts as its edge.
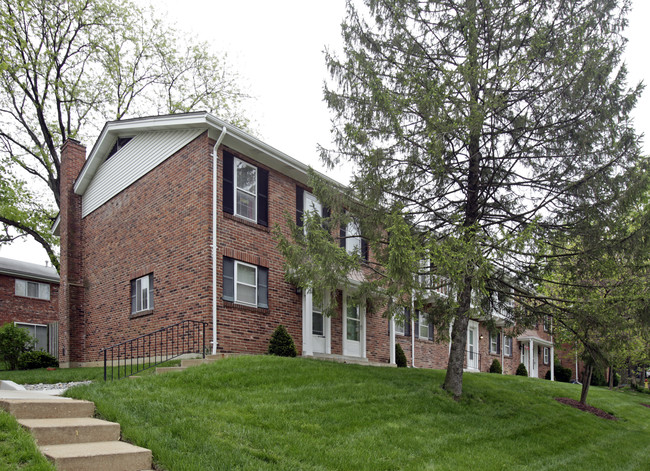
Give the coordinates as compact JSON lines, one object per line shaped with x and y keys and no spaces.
{"x":245,"y":190}
{"x":32,"y":289}
{"x":547,"y":323}
{"x":306,"y":203}
{"x":352,"y":241}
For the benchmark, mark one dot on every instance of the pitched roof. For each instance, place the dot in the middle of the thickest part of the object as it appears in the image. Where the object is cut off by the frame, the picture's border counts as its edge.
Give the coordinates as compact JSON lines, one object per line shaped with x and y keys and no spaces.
{"x":20,"y":269}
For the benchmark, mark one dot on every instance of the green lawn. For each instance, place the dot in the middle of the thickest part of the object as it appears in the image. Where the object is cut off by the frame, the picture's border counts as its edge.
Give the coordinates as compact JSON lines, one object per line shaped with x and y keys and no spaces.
{"x":17,"y":448}
{"x":274,"y":413}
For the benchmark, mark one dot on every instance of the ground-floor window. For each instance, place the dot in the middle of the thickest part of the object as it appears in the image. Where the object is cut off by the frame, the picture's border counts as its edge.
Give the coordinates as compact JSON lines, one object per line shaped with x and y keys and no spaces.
{"x":38,"y":331}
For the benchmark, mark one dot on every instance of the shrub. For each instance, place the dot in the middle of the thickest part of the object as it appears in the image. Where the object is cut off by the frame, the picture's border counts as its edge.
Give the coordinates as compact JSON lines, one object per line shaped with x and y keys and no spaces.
{"x":400,"y":357}
{"x":562,"y":374}
{"x":37,"y":359}
{"x":521,"y":370}
{"x":13,"y":342}
{"x":281,"y":343}
{"x":495,"y":367}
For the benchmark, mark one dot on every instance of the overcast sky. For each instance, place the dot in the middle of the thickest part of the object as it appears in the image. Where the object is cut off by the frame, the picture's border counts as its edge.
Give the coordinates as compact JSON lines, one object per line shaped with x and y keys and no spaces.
{"x":277,"y":49}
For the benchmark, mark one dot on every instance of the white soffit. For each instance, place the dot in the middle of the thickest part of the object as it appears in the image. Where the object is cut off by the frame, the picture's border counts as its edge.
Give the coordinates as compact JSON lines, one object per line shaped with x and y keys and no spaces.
{"x":142,"y":154}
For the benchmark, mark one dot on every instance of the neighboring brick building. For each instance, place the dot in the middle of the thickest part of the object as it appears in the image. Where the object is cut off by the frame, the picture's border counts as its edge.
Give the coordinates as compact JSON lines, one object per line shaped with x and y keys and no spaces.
{"x":29,"y":298}
{"x":152,"y":233}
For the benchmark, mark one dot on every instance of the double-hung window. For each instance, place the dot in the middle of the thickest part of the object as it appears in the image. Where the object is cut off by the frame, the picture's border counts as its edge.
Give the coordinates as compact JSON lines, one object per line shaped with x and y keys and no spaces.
{"x":32,"y":289}
{"x":507,"y":346}
{"x":425,"y":328}
{"x":494,"y":343}
{"x":399,"y":327}
{"x":245,"y":190}
{"x":245,"y":283}
{"x":142,"y":294}
{"x":352,"y":241}
{"x":547,"y":323}
{"x":547,"y":352}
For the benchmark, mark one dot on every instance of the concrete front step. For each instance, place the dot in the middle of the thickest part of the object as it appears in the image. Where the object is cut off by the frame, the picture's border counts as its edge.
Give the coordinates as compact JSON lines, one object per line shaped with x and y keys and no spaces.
{"x":71,"y":430}
{"x":186,"y":363}
{"x":47,"y":408}
{"x":98,"y":456}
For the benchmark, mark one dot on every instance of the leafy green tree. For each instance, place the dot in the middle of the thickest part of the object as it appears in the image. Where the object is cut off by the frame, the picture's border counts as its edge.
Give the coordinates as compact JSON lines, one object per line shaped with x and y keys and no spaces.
{"x":66,"y":67}
{"x":475,"y":130}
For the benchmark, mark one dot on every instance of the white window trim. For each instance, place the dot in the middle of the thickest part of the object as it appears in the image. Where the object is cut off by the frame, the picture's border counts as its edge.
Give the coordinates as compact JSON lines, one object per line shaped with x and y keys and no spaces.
{"x":30,"y":324}
{"x":547,"y":354}
{"x":317,"y":310}
{"x":237,"y":282}
{"x":493,"y":339}
{"x":311,"y":204}
{"x":507,"y":353}
{"x":236,"y":189}
{"x":43,"y":289}
{"x":422,"y":321}
{"x":139,"y":307}
{"x":353,"y":238}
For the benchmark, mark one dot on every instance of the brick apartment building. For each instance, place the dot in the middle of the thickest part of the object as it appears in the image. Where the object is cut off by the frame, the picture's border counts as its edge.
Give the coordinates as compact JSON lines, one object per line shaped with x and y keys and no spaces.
{"x":170,"y":217}
{"x":29,"y":298}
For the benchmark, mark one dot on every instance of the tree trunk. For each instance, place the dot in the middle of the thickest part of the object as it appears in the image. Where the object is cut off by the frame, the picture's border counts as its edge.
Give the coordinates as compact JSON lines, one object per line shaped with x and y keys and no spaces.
{"x":586,"y":381}
{"x":611,"y":377}
{"x":454,"y":377}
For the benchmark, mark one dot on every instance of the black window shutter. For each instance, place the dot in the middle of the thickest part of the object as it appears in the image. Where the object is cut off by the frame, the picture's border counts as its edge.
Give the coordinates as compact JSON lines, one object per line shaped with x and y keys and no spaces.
{"x":262,"y":287}
{"x":300,"y":205}
{"x":228,"y":183}
{"x":263,"y":197}
{"x":407,"y":322}
{"x":133,"y":297}
{"x":430,"y":330}
{"x":499,"y":343}
{"x":150,"y":303}
{"x":364,"y":250}
{"x":228,"y":279}
{"x":342,"y":234}
{"x":326,"y":214}
{"x":416,"y":318}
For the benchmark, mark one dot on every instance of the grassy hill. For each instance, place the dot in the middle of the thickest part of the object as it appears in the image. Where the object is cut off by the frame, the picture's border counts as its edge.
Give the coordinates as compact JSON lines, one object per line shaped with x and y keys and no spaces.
{"x":276,"y":413}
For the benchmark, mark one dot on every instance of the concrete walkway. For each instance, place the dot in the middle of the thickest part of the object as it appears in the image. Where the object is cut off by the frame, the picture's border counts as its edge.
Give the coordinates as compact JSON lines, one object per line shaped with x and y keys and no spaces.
{"x":68,"y":435}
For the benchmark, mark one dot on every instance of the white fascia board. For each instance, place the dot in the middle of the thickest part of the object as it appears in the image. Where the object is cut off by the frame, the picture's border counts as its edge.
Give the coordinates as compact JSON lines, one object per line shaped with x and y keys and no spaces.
{"x":235,"y":138}
{"x":538,"y":340}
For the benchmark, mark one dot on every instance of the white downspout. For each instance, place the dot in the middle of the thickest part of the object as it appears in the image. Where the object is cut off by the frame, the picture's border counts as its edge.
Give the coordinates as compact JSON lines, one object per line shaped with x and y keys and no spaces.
{"x":552,"y":352}
{"x":412,"y":333}
{"x":215,"y":164}
{"x":503,"y":355}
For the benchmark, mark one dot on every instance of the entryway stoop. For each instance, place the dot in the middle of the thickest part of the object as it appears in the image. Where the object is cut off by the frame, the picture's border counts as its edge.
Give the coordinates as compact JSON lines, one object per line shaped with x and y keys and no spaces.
{"x":186,"y":363}
{"x":69,"y":436}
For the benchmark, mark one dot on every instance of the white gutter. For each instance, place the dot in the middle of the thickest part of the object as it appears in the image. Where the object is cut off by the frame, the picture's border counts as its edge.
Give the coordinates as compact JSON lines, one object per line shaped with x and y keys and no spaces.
{"x":215,"y":164}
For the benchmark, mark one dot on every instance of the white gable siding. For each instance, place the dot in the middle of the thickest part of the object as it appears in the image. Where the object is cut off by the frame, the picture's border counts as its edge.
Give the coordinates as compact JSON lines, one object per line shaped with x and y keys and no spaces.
{"x":141,"y":155}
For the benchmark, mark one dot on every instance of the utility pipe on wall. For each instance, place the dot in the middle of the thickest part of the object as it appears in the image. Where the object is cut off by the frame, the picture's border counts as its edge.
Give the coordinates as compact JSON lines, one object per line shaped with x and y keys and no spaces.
{"x":215,"y":164}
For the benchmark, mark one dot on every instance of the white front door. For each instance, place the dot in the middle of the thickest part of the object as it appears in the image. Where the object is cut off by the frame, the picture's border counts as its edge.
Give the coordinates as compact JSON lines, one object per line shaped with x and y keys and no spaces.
{"x":353,"y":330}
{"x":472,"y":345}
{"x":318,"y":331}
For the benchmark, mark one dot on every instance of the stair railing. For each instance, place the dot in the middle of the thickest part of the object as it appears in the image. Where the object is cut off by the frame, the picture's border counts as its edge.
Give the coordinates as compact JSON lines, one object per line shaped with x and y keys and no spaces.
{"x":149,"y":350}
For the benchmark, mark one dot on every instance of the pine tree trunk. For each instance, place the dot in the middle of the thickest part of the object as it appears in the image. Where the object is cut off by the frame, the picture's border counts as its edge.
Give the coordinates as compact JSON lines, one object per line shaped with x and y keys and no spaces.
{"x":586,"y":381}
{"x":611,"y":377}
{"x":454,"y":377}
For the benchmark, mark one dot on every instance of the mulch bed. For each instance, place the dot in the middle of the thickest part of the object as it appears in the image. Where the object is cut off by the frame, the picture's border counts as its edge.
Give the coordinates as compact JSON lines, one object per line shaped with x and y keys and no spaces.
{"x":647,"y":405}
{"x":594,"y":410}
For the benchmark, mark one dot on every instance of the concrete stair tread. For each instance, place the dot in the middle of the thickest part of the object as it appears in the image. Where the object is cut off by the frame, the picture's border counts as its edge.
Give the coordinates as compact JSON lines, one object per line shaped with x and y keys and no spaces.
{"x":47,"y":408}
{"x":98,"y":456}
{"x":71,"y":430}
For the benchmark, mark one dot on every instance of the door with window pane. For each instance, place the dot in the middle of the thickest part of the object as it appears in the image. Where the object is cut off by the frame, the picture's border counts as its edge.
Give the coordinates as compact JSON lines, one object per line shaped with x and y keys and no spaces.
{"x":472,"y":346}
{"x":318,"y":330}
{"x":353,"y":330}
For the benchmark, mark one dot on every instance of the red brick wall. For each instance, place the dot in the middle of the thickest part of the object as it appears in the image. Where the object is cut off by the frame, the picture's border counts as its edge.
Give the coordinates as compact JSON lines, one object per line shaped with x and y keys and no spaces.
{"x":71,"y":300}
{"x":21,"y":309}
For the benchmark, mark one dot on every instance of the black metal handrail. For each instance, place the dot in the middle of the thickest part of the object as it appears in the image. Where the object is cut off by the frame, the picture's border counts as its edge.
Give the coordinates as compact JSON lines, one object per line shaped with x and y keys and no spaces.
{"x":150,"y":350}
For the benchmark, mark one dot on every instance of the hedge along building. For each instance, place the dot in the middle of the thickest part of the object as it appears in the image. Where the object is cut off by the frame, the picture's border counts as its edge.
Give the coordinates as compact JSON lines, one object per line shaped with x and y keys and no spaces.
{"x":169,"y":219}
{"x":29,"y":299}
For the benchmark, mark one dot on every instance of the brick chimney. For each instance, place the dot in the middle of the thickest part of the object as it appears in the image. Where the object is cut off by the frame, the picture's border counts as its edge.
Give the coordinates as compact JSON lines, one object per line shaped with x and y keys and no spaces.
{"x":71,"y":290}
